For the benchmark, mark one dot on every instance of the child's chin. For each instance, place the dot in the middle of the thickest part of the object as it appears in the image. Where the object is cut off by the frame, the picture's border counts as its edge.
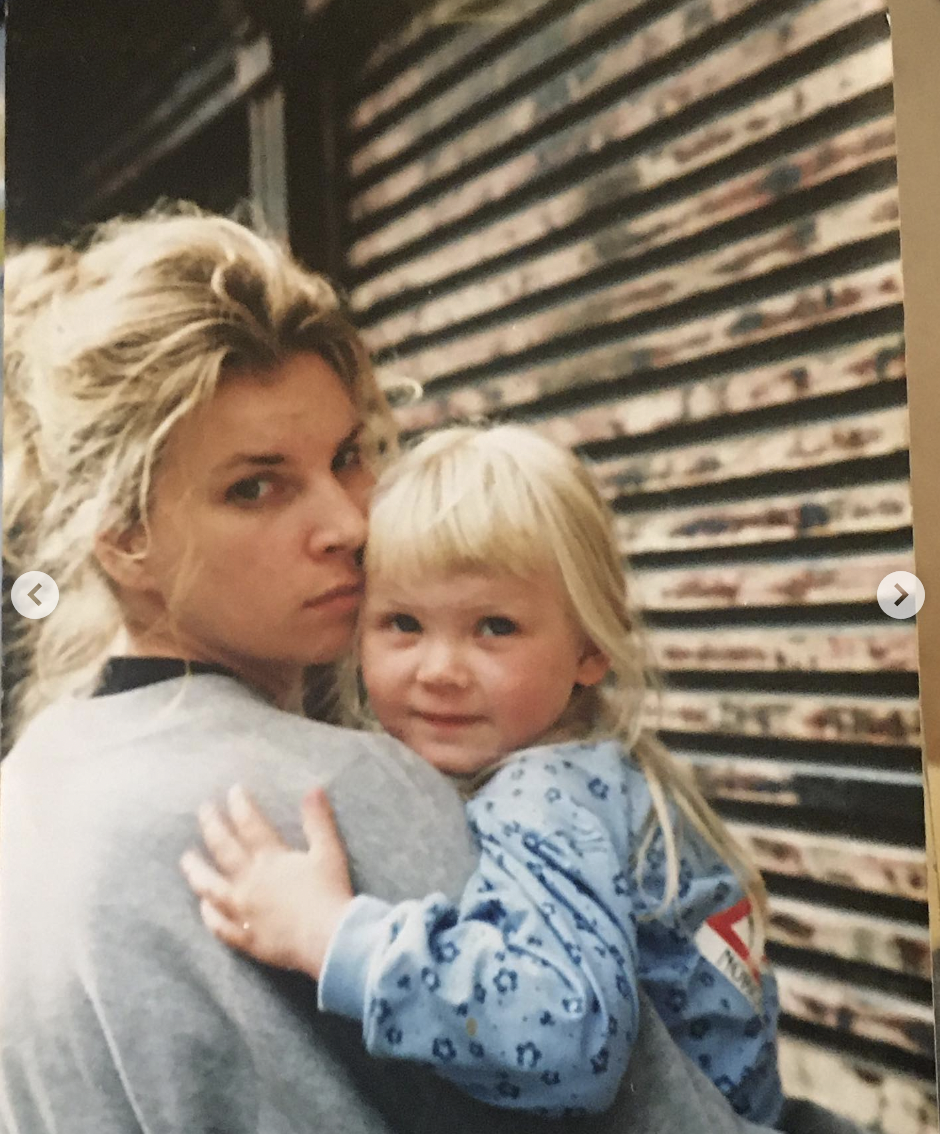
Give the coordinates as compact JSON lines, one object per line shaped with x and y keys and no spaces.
{"x":454,"y":761}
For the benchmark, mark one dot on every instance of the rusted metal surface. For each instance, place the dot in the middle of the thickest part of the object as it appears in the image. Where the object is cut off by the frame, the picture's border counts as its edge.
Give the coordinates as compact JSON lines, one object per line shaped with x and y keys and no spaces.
{"x":806,"y":446}
{"x":827,"y":231}
{"x":695,"y":149}
{"x":407,"y":81}
{"x":857,"y":293}
{"x":880,"y":868}
{"x":898,"y":946}
{"x":614,"y":63}
{"x":882,"y":1100}
{"x":624,"y":242}
{"x":719,"y":70}
{"x":830,"y":649}
{"x":790,"y":716}
{"x":872,"y":508}
{"x":903,"y":1023}
{"x":788,"y":380}
{"x":800,"y":582}
{"x":528,"y":58}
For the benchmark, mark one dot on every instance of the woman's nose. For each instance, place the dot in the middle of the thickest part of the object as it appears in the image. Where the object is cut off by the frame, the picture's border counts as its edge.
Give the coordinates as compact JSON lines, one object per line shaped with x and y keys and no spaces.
{"x":340,"y":523}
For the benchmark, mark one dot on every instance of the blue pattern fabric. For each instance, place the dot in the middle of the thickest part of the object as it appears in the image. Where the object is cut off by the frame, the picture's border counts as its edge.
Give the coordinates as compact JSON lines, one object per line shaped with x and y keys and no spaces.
{"x":524,"y":992}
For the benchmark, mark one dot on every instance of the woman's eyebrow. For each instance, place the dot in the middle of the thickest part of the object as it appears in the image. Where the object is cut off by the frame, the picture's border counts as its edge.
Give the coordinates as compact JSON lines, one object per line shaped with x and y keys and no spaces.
{"x":351,"y":436}
{"x":268,"y":460}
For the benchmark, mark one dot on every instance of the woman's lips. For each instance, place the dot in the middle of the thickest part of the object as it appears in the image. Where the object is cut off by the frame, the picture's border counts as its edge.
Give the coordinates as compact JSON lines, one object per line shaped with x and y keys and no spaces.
{"x":347,"y":595}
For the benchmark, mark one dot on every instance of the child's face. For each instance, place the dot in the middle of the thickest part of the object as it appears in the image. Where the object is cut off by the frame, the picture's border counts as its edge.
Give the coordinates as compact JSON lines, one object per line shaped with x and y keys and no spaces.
{"x":469,"y":668}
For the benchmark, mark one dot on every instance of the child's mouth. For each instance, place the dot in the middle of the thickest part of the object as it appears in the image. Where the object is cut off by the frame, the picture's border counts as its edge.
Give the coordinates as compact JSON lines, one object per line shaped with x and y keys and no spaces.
{"x":448,"y":720}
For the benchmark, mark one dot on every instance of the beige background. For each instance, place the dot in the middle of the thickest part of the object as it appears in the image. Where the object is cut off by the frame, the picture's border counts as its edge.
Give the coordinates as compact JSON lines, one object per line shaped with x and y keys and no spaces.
{"x":915,"y":26}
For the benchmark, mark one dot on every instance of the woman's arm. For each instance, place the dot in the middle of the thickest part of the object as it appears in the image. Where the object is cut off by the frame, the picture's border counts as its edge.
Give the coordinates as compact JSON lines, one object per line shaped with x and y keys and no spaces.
{"x":523,"y":993}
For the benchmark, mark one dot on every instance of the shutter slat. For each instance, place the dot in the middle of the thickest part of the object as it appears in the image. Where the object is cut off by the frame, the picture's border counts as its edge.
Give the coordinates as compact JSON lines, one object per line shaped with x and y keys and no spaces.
{"x":898,"y":946}
{"x":879,"y":868}
{"x":868,"y":508}
{"x":903,"y":1023}
{"x":847,"y":720}
{"x":836,"y":649}
{"x":802,"y":447}
{"x":801,"y":582}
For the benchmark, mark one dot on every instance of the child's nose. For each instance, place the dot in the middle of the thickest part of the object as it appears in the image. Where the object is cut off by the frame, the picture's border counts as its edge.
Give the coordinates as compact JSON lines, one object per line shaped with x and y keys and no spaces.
{"x":441,"y":663}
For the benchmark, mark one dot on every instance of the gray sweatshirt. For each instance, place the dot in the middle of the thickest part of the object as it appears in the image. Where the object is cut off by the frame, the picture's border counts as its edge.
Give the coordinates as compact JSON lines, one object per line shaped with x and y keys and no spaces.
{"x":121,"y":1014}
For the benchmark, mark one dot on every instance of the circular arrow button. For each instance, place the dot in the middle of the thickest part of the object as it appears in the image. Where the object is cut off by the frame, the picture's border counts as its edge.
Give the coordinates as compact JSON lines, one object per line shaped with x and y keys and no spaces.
{"x":901,"y":594}
{"x":34,"y":594}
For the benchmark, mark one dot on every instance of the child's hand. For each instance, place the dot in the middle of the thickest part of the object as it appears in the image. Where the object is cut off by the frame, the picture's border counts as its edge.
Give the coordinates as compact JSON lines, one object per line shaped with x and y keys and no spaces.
{"x":279,"y":905}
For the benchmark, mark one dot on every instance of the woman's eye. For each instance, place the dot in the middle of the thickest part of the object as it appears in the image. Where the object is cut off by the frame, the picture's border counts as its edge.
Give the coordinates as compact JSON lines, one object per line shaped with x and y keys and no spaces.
{"x":404,"y":623}
{"x":251,"y":490}
{"x":349,"y":457}
{"x":496,"y":626}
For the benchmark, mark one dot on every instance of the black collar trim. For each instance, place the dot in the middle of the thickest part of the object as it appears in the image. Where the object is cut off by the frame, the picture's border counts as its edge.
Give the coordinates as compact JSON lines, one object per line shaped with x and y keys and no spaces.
{"x":120,"y":675}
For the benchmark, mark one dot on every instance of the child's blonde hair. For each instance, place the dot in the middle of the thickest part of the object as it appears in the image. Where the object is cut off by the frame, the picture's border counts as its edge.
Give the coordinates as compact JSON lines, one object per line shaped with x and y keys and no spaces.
{"x":108,"y":347}
{"x":505,"y":499}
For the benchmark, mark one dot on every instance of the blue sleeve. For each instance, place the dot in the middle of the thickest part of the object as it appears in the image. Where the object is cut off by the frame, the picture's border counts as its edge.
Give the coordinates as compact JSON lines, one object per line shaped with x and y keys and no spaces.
{"x":524,"y":992}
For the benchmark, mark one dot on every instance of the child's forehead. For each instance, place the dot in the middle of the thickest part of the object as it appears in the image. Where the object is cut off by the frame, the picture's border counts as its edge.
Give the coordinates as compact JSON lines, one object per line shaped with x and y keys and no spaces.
{"x":466,"y":587}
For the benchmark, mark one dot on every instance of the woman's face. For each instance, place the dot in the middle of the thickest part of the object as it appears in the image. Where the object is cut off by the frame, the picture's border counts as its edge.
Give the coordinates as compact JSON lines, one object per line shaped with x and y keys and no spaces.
{"x":258,"y":518}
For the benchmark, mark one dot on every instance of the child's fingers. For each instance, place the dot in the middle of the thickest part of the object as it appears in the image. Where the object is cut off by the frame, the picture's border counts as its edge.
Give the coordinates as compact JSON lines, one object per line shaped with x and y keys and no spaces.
{"x":235,"y":934}
{"x":317,"y":818}
{"x":221,"y":841}
{"x":250,"y":823}
{"x":207,"y":883}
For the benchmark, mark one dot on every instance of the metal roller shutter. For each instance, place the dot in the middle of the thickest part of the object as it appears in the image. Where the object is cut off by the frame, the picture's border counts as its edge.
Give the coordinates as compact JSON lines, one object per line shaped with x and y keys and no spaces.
{"x":667,"y":234}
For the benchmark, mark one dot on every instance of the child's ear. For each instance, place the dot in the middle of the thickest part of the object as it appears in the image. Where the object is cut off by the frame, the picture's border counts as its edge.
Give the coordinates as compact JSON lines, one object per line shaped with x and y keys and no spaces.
{"x":593,"y":666}
{"x":120,"y":554}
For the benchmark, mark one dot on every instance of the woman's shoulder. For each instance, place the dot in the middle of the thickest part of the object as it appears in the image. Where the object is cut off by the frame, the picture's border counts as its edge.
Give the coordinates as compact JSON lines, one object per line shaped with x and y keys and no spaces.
{"x":183,"y":741}
{"x":116,"y":781}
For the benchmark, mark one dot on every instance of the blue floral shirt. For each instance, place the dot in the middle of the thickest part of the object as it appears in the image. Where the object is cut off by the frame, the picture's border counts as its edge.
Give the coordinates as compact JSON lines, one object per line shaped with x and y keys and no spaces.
{"x":524,"y":991}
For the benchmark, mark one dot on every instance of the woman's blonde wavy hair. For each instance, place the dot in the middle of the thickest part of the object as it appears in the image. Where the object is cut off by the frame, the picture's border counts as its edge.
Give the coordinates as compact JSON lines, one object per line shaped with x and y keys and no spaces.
{"x":505,"y":499}
{"x":108,"y":346}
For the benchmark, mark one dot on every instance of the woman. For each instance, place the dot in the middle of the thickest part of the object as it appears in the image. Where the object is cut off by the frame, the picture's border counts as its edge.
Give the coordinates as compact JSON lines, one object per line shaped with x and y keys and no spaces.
{"x":192,"y":426}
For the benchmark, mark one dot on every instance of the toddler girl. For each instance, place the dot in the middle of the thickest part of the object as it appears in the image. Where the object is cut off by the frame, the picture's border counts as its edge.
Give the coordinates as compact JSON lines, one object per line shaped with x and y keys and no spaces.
{"x":497,"y":642}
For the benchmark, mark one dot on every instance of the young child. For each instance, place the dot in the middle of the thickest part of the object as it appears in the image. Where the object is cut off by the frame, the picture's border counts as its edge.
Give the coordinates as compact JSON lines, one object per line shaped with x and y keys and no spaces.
{"x":497,"y":642}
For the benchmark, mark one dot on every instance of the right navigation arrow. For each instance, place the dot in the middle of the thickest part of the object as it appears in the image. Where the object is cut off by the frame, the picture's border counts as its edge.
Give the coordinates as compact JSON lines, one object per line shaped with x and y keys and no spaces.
{"x":904,"y":593}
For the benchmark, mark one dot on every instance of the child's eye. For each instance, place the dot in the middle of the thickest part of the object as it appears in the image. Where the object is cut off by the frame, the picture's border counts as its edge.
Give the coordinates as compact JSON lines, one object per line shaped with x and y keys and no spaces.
{"x":251,"y":490}
{"x":349,"y":457}
{"x":496,"y":626}
{"x":404,"y":623}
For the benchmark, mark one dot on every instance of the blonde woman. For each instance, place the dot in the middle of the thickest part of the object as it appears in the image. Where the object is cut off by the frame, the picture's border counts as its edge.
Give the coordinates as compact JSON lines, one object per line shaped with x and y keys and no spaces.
{"x":495,"y":608}
{"x":190,"y":428}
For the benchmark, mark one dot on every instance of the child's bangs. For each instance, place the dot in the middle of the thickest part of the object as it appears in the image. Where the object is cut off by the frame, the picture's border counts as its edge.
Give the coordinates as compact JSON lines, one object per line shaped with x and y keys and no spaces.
{"x":464,"y":518}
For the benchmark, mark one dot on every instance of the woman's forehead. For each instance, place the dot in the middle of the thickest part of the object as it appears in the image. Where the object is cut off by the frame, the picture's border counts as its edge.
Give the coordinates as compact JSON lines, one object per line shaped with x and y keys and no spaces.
{"x":299,"y":408}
